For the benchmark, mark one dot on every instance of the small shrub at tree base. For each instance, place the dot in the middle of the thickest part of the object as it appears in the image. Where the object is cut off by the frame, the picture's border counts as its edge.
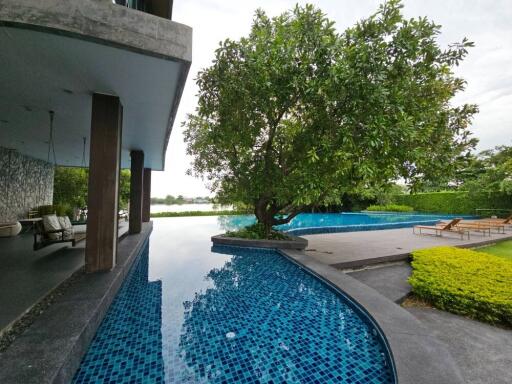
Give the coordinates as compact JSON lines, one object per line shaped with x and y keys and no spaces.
{"x":257,"y":232}
{"x":464,"y":282}
{"x":390,"y":208}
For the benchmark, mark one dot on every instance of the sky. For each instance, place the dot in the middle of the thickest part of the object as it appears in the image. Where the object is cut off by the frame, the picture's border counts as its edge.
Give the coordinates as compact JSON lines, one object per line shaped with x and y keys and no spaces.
{"x":487,"y":69}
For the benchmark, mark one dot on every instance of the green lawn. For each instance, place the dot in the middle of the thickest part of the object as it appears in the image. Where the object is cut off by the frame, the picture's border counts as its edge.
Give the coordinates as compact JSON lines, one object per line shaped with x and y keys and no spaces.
{"x":502,"y":249}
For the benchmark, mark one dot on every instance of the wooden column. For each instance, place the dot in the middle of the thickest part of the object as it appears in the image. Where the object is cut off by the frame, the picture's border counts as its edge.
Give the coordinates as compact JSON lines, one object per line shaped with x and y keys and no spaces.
{"x":102,"y":203}
{"x":136,"y":187}
{"x":146,"y":199}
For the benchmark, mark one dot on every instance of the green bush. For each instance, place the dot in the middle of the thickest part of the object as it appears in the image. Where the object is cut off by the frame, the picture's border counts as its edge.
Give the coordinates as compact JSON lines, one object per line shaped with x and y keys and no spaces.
{"x":58,"y":209}
{"x":465,"y":282}
{"x":390,"y":208}
{"x":455,"y":202}
{"x":257,"y":232}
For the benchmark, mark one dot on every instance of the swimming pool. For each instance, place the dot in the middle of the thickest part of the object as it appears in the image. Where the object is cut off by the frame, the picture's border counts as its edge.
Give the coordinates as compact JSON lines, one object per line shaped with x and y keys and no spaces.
{"x":313,"y":223}
{"x":188,"y":313}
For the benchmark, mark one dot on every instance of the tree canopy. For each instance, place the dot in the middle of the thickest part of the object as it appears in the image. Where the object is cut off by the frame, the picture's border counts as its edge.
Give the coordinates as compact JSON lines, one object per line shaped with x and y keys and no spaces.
{"x":297,"y":114}
{"x":489,"y":171}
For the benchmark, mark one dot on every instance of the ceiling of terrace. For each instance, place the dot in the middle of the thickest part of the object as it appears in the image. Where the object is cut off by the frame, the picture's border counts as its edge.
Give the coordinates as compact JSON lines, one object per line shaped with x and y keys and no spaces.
{"x":43,"y":71}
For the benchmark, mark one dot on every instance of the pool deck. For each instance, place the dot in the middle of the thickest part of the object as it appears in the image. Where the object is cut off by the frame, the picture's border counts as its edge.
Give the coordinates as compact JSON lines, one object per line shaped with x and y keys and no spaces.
{"x":352,"y":250}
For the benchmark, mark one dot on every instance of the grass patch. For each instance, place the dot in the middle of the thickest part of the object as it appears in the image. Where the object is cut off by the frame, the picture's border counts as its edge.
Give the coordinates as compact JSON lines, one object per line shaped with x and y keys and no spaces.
{"x":198,"y":213}
{"x":390,"y":208}
{"x":465,"y":282}
{"x":501,"y":249}
{"x":257,"y":232}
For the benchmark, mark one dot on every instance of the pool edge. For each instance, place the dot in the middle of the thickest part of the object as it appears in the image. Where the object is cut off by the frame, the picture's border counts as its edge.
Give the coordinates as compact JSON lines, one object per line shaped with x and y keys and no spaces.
{"x":417,"y":356}
{"x":51,"y":349}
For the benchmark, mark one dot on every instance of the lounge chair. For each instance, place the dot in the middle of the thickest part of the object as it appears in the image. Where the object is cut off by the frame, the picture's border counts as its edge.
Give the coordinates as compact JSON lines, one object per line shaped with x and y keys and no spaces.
{"x":485,"y":228}
{"x":505,"y":221}
{"x":440,"y":228}
{"x":500,"y":227}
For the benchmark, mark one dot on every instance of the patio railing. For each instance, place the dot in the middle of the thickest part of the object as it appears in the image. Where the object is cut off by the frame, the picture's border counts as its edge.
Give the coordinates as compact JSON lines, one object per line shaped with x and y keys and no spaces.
{"x":161,"y":8}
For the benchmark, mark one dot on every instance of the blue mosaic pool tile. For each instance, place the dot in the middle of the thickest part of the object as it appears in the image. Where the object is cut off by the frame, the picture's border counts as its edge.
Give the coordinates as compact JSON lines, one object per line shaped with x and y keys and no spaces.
{"x":260,"y":319}
{"x":128,"y":345}
{"x":358,"y":227}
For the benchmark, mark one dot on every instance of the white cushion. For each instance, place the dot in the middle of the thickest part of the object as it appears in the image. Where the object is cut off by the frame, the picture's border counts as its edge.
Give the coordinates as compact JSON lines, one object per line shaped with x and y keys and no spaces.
{"x":65,"y":223}
{"x":51,"y":223}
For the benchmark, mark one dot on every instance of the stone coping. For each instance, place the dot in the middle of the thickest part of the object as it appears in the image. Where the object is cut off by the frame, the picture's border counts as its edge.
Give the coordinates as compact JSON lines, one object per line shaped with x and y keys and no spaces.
{"x":294,"y":243}
{"x":50,"y":351}
{"x":418,"y":357}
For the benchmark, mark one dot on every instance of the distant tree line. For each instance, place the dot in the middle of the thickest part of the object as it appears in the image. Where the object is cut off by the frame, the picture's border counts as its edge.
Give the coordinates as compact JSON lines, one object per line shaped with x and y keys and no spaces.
{"x":487,"y":171}
{"x":180,"y":199}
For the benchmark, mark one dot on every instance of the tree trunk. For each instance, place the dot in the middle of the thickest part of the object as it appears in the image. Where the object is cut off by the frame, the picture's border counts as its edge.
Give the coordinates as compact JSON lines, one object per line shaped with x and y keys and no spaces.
{"x":265,"y":212}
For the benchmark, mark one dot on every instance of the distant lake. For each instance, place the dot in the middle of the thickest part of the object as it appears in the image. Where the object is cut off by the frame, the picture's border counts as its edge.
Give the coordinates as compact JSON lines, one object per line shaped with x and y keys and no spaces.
{"x":155,"y":208}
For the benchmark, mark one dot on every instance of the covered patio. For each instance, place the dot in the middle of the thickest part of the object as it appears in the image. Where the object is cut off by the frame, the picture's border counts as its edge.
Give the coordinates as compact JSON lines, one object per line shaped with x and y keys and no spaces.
{"x":29,"y":276}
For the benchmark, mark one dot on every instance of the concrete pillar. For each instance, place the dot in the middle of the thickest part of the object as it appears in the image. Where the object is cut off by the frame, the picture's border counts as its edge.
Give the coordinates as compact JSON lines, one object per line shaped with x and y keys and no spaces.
{"x":102,"y":203}
{"x":136,"y":187}
{"x":146,"y":199}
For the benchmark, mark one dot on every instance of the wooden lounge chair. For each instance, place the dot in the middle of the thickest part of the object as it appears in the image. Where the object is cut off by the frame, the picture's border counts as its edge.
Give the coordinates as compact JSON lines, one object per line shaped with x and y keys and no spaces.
{"x":500,"y":228}
{"x":440,"y":228}
{"x":505,"y":221}
{"x":475,"y":226}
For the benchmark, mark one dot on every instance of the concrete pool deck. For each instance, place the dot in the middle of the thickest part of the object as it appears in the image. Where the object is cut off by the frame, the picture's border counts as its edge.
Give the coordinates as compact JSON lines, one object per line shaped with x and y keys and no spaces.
{"x":348,"y":250}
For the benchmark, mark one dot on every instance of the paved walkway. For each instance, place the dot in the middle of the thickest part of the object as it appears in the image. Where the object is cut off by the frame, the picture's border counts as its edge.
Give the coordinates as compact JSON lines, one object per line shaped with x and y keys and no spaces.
{"x":389,"y":280}
{"x":356,"y":249}
{"x":482,"y":352}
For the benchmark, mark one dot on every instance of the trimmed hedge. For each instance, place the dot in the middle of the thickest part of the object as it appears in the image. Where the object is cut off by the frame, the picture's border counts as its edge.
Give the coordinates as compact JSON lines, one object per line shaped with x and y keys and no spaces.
{"x":465,"y":282}
{"x":390,"y":208}
{"x":455,"y":202}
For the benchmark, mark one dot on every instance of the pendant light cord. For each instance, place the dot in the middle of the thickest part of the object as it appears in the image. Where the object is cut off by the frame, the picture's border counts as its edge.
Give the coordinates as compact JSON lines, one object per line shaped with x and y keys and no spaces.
{"x":51,"y":144}
{"x":83,"y":153}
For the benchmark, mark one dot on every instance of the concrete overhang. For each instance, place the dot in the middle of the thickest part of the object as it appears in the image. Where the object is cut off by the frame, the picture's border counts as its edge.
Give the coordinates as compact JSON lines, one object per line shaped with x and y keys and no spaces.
{"x":56,"y":54}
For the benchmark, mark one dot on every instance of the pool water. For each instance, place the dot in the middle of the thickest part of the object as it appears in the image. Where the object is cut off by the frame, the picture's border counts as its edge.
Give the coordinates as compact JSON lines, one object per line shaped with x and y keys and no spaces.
{"x":311,"y":223}
{"x":188,"y":313}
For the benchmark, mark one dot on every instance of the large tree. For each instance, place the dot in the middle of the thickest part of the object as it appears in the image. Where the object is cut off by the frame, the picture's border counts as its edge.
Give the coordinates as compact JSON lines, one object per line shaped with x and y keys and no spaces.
{"x":296,"y":114}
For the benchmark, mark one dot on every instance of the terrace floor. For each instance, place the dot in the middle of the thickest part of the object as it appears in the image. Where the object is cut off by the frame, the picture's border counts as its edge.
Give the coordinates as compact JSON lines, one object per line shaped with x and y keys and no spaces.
{"x":27,"y":276}
{"x":356,"y":249}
